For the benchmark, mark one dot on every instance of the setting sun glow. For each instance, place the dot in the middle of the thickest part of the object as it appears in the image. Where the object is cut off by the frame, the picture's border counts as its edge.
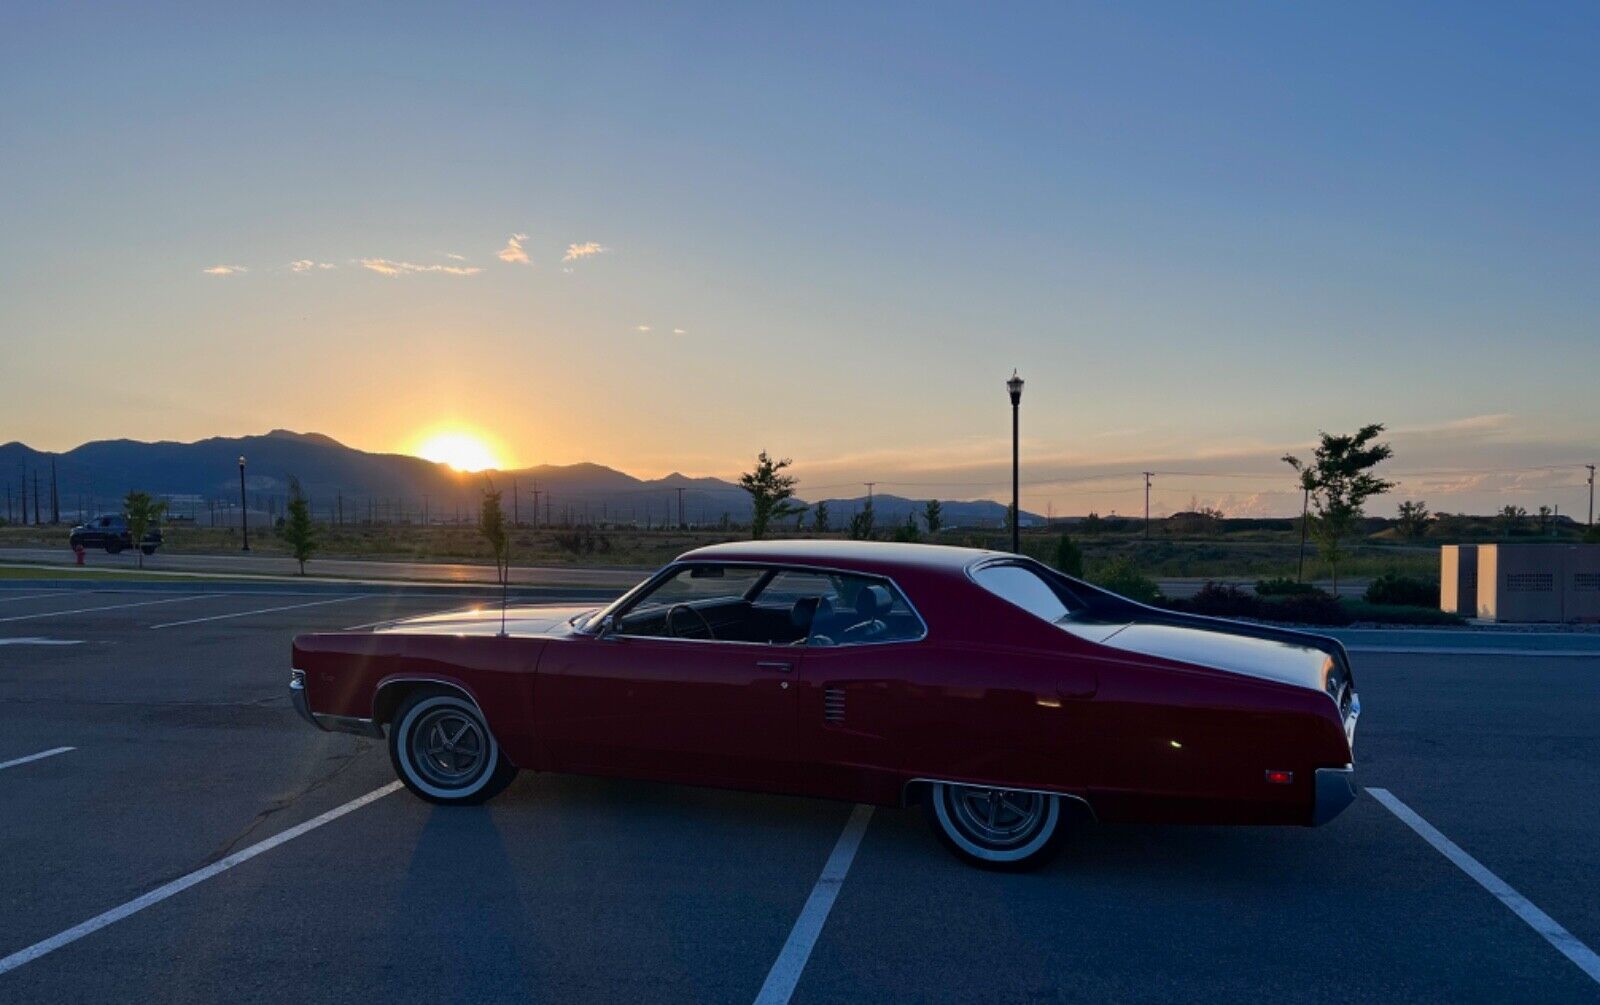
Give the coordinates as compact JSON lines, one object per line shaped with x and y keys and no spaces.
{"x":462,"y":451}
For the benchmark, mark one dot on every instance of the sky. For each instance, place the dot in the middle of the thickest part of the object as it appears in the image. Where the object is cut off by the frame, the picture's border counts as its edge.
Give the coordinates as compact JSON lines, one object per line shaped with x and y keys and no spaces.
{"x":664,"y":237}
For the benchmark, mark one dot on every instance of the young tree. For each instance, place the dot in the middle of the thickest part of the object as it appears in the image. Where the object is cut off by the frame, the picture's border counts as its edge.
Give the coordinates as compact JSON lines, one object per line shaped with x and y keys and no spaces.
{"x":908,"y":531}
{"x":492,"y":525}
{"x":1413,"y":520}
{"x":770,"y":491}
{"x":142,"y":513}
{"x":861,"y":523}
{"x":1069,"y":557}
{"x":298,"y":530}
{"x":1340,"y":479}
{"x":819,"y":518}
{"x":1511,"y":518}
{"x":1546,"y":515}
{"x":933,"y":516}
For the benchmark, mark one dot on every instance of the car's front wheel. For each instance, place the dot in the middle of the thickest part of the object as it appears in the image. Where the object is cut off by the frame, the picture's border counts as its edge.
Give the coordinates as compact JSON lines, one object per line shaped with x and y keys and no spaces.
{"x":113,"y":546}
{"x":996,"y":828}
{"x":443,"y":751}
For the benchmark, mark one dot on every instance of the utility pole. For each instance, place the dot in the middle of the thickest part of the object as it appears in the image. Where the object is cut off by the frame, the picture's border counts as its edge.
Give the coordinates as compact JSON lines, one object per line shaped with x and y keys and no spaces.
{"x":535,"y":505}
{"x":38,"y":515}
{"x":1591,"y":493}
{"x":516,"y":521}
{"x":1147,"y":475}
{"x":1305,"y":519}
{"x":680,"y":507}
{"x":55,"y":496}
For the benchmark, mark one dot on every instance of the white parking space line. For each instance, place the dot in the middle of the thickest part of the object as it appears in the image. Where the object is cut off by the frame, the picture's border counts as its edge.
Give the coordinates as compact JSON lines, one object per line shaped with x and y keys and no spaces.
{"x":31,"y":596}
{"x":1536,"y":919}
{"x":183,"y":883}
{"x":110,"y":607}
{"x":41,"y":755}
{"x":262,"y":610}
{"x":39,"y":640}
{"x":785,"y":972}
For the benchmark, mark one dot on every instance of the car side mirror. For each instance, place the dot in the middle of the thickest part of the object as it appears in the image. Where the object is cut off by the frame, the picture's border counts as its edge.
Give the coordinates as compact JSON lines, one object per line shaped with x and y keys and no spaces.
{"x":608,"y":627}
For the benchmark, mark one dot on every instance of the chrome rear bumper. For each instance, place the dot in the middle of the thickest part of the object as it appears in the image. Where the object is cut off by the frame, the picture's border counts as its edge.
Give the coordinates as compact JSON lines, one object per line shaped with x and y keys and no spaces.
{"x":1336,"y":789}
{"x":327,"y":723}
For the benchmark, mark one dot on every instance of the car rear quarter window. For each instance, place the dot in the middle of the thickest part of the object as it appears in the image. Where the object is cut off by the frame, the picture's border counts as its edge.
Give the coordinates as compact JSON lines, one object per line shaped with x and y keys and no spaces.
{"x":1020,"y":585}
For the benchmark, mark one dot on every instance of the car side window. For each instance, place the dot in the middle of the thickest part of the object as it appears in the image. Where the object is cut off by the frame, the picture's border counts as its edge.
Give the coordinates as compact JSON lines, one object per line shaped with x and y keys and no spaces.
{"x":701,"y":601}
{"x":833,"y":609}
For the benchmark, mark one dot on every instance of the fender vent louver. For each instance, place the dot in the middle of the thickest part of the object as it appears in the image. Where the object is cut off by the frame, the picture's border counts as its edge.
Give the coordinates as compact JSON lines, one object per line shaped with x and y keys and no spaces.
{"x":833,"y":705}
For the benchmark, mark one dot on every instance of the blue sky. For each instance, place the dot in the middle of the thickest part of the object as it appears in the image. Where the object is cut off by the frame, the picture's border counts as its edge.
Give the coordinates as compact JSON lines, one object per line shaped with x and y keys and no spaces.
{"x":1200,"y":233}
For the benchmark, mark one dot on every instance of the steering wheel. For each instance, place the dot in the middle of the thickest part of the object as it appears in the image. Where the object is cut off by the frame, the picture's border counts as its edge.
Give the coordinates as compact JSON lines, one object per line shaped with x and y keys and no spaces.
{"x":865,"y":630}
{"x":673,"y":632}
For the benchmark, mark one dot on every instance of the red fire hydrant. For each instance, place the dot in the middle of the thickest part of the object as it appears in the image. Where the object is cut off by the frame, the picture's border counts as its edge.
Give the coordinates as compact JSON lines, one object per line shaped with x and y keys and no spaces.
{"x":77,"y":549}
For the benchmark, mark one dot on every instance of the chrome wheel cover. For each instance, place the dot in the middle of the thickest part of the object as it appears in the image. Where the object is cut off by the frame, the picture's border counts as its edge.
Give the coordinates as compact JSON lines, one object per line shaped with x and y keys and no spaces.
{"x":448,"y":747}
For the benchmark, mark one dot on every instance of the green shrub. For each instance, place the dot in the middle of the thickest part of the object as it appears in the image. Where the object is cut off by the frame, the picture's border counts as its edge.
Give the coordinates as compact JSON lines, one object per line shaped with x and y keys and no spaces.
{"x":1283,"y":587}
{"x":1121,"y":576}
{"x":1068,"y":557}
{"x":1307,"y":609}
{"x":1408,"y":591}
{"x":1220,"y":600}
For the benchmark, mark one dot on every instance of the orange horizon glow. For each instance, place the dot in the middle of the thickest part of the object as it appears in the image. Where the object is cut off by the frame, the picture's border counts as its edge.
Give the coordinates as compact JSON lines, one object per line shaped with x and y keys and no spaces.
{"x":461,"y":450}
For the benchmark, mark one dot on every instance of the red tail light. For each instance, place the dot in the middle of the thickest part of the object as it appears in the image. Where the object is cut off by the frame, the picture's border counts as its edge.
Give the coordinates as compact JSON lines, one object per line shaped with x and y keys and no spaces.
{"x":1279,"y":777}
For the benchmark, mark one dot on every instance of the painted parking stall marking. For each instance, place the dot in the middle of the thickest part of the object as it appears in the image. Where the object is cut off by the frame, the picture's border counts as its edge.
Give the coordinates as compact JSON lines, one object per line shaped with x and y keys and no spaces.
{"x":110,"y":607}
{"x":786,"y":970}
{"x":182,"y":883}
{"x":41,"y":755}
{"x":39,"y":640}
{"x":262,"y":610}
{"x":1540,"y":922}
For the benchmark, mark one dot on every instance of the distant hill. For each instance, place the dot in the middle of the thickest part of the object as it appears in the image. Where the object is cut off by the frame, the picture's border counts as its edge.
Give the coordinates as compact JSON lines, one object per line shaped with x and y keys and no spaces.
{"x":195,"y":476}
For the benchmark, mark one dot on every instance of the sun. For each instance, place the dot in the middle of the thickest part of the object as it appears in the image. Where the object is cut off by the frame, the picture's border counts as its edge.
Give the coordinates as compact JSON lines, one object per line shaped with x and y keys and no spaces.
{"x":462,"y":451}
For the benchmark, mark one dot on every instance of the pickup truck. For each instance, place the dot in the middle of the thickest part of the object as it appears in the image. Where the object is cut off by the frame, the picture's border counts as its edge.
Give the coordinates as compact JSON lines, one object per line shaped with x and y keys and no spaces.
{"x":110,"y":531}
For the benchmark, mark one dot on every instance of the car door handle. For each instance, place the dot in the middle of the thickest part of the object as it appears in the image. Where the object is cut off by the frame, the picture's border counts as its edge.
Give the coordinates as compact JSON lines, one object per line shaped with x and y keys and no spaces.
{"x":778,"y":665}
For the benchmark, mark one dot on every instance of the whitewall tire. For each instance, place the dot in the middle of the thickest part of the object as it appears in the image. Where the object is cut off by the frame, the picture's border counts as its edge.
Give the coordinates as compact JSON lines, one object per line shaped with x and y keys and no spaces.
{"x":996,"y":828}
{"x":443,"y":751}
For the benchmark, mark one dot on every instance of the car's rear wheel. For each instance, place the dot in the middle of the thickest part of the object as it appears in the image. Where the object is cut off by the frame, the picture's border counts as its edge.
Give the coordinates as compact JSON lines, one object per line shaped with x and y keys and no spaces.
{"x":996,"y":828}
{"x":443,"y":751}
{"x":113,"y":546}
{"x":148,"y":549}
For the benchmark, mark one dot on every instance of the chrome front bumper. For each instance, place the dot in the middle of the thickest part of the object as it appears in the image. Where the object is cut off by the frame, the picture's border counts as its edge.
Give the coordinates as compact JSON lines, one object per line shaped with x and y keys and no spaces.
{"x":1336,"y":789}
{"x":327,"y":723}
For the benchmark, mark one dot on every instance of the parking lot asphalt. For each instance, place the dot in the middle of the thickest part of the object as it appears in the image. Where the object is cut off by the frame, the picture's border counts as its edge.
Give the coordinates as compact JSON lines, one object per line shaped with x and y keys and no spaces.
{"x":184,"y":752}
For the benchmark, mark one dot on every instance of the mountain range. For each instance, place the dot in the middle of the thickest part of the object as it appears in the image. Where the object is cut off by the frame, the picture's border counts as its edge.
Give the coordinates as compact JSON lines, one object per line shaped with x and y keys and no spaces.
{"x":345,"y":483}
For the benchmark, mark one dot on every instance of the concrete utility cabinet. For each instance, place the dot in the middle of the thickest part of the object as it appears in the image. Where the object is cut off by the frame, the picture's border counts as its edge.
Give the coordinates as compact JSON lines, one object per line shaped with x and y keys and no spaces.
{"x":1539,"y":582}
{"x":1458,"y":579}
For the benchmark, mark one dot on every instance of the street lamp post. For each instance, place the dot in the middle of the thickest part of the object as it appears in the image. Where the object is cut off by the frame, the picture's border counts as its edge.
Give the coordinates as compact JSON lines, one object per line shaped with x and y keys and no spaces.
{"x":1014,"y":385}
{"x":244,"y":512}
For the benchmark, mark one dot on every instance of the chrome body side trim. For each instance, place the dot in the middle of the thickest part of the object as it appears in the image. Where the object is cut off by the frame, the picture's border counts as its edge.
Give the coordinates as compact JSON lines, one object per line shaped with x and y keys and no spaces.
{"x":1336,"y":789}
{"x":327,"y":723}
{"x":906,"y":786}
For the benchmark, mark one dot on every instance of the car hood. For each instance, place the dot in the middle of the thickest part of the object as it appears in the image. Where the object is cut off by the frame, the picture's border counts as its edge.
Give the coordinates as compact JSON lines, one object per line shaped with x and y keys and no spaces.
{"x":1266,"y":659}
{"x":487,"y":620}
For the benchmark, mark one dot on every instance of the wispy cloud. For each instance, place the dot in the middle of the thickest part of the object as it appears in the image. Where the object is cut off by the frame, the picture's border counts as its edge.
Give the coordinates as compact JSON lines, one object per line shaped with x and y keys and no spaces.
{"x":306,"y":265}
{"x":587,"y":249}
{"x":389,"y":267}
{"x":679,"y":331}
{"x":455,"y":257}
{"x":512,"y":253}
{"x":224,"y":270}
{"x":641,"y":328}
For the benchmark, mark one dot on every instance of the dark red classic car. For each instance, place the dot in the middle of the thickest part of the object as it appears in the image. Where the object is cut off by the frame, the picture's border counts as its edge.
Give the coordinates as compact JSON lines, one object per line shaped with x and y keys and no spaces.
{"x":1006,"y":698}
